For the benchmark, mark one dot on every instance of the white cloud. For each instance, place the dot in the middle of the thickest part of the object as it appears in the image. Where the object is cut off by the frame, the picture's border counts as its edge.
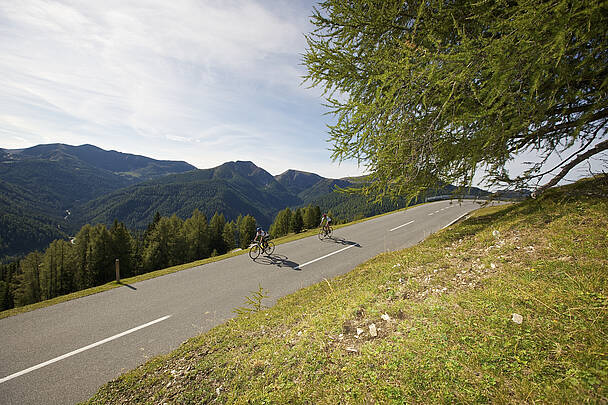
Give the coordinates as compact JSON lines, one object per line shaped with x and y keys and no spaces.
{"x":202,"y":81}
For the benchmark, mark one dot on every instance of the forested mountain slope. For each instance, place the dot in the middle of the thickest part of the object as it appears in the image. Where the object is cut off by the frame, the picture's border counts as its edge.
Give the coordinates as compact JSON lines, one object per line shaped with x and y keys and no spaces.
{"x":26,"y":222}
{"x":41,"y":185}
{"x":234,"y":188}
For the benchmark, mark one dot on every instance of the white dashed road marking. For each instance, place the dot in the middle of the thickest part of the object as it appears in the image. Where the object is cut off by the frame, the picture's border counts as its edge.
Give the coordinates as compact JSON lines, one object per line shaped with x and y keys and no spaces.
{"x":394,"y":229}
{"x":82,"y":349}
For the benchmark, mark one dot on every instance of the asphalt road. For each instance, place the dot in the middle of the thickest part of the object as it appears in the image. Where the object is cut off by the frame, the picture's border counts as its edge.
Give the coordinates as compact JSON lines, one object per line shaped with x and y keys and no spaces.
{"x":64,"y":353}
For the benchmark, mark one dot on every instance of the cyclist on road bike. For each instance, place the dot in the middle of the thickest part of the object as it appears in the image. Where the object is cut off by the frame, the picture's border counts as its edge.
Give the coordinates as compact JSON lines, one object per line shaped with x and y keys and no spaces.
{"x":325,"y":222}
{"x":262,"y":235}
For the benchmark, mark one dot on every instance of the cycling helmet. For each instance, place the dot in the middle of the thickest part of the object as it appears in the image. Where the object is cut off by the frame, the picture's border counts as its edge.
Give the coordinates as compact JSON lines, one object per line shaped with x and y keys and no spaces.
{"x":324,"y":215}
{"x":258,"y":230}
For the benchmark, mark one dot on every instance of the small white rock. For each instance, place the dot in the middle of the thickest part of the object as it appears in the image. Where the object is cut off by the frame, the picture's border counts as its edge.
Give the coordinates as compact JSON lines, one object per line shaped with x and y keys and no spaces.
{"x":385,"y":317}
{"x":492,"y":265}
{"x":372,"y":330}
{"x":359,"y":331}
{"x":517,"y":318}
{"x":300,"y":333}
{"x":495,"y":233}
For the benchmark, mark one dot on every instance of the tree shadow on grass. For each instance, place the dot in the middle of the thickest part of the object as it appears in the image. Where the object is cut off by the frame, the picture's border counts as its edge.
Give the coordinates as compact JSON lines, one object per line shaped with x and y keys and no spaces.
{"x":277,"y":260}
{"x":474,"y":225}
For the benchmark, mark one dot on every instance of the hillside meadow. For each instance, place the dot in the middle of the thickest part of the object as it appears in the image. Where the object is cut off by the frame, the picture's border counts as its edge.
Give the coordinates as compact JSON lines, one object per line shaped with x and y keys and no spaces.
{"x":508,"y":306}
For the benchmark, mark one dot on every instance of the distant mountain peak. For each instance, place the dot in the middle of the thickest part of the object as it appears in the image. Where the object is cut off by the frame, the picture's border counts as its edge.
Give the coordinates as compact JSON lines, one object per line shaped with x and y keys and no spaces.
{"x":245,"y":169}
{"x":297,"y":181}
{"x":241,"y":164}
{"x":93,"y":156}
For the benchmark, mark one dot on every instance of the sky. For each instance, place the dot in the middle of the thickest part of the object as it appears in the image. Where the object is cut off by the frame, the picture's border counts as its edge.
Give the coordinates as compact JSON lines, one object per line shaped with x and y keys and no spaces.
{"x":201,"y":81}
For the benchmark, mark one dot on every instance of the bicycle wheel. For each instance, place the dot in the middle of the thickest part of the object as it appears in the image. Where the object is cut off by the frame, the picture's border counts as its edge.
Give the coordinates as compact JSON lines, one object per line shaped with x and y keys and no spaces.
{"x":321,"y":233}
{"x":269,"y":248}
{"x":329,"y":231}
{"x":254,"y":252}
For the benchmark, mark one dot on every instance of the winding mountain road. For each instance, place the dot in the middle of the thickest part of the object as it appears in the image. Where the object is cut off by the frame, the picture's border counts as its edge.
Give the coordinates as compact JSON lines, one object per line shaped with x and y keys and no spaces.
{"x":62,"y":354}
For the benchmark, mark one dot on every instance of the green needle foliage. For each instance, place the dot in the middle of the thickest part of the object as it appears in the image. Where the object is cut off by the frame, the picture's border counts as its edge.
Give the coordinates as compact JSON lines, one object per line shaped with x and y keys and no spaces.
{"x":428,"y":92}
{"x":253,"y":303}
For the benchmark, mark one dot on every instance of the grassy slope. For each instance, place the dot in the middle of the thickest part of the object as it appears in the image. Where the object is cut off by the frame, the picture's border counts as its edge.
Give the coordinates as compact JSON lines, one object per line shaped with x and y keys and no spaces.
{"x":450,"y":336}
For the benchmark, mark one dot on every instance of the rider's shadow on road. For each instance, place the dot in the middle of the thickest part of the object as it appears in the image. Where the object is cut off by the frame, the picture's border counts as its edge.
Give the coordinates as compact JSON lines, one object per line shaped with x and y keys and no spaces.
{"x":278,"y":260}
{"x":341,"y":241}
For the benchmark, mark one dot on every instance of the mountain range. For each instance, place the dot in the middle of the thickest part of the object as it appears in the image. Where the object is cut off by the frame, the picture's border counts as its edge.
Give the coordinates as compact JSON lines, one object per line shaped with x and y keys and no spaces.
{"x":50,"y":191}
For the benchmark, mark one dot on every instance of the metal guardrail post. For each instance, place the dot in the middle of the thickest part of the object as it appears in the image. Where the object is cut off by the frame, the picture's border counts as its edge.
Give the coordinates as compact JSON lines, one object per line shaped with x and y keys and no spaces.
{"x":117,"y":271}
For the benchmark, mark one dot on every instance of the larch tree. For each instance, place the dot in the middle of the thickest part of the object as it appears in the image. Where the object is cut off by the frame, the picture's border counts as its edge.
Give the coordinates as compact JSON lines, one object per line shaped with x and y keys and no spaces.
{"x":297,"y":221}
{"x":247,"y":231}
{"x":196,"y":232}
{"x":123,"y":249}
{"x":280,"y":226}
{"x":229,"y":235}
{"x":429,"y":92}
{"x":216,"y":230}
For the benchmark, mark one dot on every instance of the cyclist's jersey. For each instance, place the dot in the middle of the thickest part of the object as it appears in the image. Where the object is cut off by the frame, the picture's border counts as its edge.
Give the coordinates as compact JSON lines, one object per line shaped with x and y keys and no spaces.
{"x":261,"y":233}
{"x":328,"y":219}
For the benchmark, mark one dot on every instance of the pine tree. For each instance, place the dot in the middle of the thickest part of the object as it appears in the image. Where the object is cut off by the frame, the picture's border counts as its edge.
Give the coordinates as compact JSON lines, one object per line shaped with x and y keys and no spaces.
{"x":101,"y":258}
{"x":152,"y":225}
{"x":84,"y":276}
{"x":316,"y":211}
{"x":166,"y":245}
{"x":29,"y":289}
{"x":7,"y":286}
{"x":237,"y":230}
{"x":57,"y":270}
{"x":296,"y":223}
{"x":309,"y":217}
{"x":123,"y":249}
{"x":228,"y":236}
{"x":216,"y":229}
{"x":4,"y":296}
{"x":247,"y":231}
{"x":177,"y":243}
{"x":196,"y":233}
{"x":280,"y":226}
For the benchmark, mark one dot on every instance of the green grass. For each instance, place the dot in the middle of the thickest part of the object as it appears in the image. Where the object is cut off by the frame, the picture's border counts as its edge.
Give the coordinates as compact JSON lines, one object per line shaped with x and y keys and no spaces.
{"x":158,"y":273}
{"x":449,"y":336}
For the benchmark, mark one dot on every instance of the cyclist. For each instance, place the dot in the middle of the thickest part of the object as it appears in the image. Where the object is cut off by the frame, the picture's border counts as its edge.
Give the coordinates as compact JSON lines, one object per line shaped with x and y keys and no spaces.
{"x":325,"y":222}
{"x":262,"y":235}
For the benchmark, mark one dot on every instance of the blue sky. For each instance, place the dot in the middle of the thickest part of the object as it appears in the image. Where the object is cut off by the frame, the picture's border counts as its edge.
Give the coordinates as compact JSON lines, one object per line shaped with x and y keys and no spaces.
{"x":201,"y":81}
{"x":205,"y":81}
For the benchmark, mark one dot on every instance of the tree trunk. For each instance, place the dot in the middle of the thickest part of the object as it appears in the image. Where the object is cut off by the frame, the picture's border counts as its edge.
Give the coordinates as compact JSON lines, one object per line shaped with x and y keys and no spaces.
{"x":600,"y":147}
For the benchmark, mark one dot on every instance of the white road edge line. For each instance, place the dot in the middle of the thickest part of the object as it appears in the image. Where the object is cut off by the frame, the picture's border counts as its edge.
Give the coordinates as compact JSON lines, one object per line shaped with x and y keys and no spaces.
{"x":394,"y":229}
{"x":456,"y":220}
{"x":323,"y":257}
{"x":65,"y":356}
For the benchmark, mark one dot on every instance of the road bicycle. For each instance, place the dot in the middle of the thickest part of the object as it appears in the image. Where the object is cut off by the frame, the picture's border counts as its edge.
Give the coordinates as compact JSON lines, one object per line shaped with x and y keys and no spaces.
{"x":266,"y":247}
{"x":325,"y":232}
